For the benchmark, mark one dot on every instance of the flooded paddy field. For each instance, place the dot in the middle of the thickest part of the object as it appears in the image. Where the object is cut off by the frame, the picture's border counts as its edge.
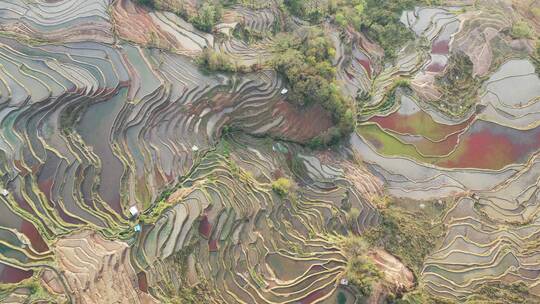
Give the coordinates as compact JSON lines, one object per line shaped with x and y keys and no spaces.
{"x":132,"y":173}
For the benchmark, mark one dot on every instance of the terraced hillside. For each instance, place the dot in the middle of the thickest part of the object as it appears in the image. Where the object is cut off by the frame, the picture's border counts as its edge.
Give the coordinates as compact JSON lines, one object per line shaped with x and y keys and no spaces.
{"x":159,"y":152}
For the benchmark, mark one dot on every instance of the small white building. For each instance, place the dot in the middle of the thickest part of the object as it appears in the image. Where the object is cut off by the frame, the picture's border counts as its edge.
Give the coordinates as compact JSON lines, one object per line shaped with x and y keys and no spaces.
{"x":5,"y":192}
{"x":284,"y":91}
{"x":344,"y":282}
{"x":194,"y":148}
{"x":133,"y":210}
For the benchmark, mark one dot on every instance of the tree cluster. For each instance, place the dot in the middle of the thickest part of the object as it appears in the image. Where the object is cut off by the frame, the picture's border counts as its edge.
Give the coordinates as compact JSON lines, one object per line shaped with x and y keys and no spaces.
{"x":304,"y":60}
{"x":208,"y":14}
{"x":378,"y":19}
{"x":215,"y":61}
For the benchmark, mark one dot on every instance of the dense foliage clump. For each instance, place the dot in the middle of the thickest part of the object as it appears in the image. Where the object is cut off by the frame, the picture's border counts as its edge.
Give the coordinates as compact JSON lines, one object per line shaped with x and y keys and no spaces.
{"x":207,"y":15}
{"x":305,"y":62}
{"x":282,"y":186}
{"x":503,"y":293}
{"x":215,"y":61}
{"x":458,"y":85}
{"x":379,"y":19}
{"x":536,"y":58}
{"x":521,"y":29}
{"x":360,"y":270}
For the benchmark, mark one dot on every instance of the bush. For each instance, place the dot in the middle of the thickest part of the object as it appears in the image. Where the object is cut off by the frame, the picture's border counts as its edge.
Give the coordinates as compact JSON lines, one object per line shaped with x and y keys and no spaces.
{"x":149,"y":3}
{"x":362,"y":273}
{"x":536,"y":12}
{"x":521,"y":29}
{"x":208,"y":15}
{"x":282,"y":186}
{"x":379,"y":19}
{"x":215,"y":61}
{"x":536,"y":57}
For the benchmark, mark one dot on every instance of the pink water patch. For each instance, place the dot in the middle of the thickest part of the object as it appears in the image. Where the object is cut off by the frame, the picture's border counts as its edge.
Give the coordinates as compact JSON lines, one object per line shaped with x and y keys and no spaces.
{"x":435,"y":67}
{"x":441,"y":47}
{"x":205,"y":228}
{"x":490,"y":146}
{"x":33,"y":235}
{"x":419,"y":123}
{"x":312,"y":297}
{"x":364,"y":61}
{"x":212,"y":245}
{"x":14,"y":275}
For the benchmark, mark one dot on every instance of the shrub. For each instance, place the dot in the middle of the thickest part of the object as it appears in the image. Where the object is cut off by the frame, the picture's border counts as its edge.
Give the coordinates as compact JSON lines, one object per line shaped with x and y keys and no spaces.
{"x":536,"y":12}
{"x":208,"y":15}
{"x":362,"y":273}
{"x":149,"y":3}
{"x":282,"y":186}
{"x":215,"y":61}
{"x":521,"y":29}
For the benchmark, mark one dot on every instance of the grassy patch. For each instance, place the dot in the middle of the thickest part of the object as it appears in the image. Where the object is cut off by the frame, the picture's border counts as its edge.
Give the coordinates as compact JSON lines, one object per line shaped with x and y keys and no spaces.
{"x":408,"y":234}
{"x":503,"y":293}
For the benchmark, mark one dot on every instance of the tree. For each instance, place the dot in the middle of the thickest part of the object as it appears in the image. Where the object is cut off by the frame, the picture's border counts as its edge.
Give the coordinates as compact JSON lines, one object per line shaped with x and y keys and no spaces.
{"x":215,"y":61}
{"x":521,"y":29}
{"x":282,"y":186}
{"x":208,"y":15}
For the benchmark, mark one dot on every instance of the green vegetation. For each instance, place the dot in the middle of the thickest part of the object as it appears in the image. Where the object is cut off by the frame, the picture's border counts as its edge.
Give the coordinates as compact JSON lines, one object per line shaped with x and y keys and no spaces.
{"x":360,"y":271}
{"x":149,"y":3}
{"x":304,"y":59}
{"x":458,"y":86}
{"x":71,"y":116}
{"x":409,"y":235}
{"x":282,"y":186}
{"x":211,"y":60}
{"x":536,"y":57}
{"x":379,"y":19}
{"x":503,"y":293}
{"x":38,"y":294}
{"x":521,"y":29}
{"x":312,"y":10}
{"x":420,"y":296}
{"x":536,"y":12}
{"x":184,"y":294}
{"x":207,"y":16}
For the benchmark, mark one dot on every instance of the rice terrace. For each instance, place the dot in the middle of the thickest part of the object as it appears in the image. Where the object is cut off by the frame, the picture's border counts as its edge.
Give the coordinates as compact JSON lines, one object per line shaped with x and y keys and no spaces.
{"x":270,"y":151}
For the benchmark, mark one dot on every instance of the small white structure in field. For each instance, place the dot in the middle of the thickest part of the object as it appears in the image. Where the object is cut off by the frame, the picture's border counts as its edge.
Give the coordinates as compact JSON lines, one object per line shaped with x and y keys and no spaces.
{"x":5,"y":192}
{"x":137,"y":228}
{"x":133,"y":210}
{"x":344,"y":282}
{"x":194,"y":148}
{"x":284,"y":91}
{"x":422,"y":206}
